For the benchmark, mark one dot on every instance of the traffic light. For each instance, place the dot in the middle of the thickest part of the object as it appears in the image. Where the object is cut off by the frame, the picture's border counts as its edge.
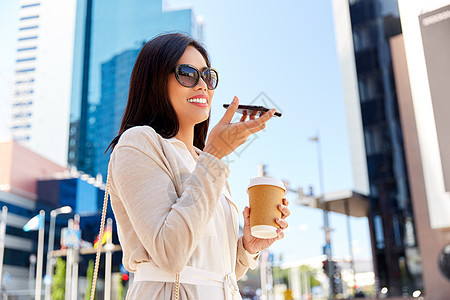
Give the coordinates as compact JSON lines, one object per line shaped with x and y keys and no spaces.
{"x":337,"y":279}
{"x":325,"y":266}
{"x":332,"y":270}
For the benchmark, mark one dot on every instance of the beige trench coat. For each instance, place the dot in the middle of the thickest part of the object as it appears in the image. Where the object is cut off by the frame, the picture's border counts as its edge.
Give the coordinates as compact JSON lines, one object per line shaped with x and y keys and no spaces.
{"x":173,"y":210}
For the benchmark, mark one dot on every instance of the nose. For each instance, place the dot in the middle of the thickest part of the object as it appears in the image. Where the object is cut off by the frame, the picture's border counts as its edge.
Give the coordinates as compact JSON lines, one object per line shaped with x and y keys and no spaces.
{"x":201,"y":84}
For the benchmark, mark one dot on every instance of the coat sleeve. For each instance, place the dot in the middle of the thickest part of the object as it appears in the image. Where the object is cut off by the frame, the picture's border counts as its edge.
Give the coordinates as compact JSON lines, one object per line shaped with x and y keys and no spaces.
{"x":168,"y":226}
{"x":244,"y":260}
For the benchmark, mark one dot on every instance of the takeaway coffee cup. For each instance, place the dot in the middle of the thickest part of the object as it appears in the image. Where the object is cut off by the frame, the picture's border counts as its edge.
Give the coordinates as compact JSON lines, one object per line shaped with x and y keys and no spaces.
{"x":265,"y":193}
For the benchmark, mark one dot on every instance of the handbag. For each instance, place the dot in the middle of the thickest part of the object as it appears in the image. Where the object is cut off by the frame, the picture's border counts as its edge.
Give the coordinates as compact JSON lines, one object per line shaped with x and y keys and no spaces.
{"x":99,"y":248}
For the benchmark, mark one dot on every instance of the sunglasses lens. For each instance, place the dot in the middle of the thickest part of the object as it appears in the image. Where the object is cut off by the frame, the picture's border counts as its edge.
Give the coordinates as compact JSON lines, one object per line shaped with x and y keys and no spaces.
{"x":187,"y":76}
{"x":211,"y":79}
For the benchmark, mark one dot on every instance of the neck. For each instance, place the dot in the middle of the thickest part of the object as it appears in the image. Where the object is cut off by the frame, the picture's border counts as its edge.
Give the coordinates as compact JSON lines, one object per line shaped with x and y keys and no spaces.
{"x":186,"y":135}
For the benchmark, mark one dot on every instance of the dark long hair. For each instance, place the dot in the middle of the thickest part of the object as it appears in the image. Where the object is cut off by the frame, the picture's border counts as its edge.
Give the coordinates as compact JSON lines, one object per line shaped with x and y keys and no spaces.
{"x":148,"y":97}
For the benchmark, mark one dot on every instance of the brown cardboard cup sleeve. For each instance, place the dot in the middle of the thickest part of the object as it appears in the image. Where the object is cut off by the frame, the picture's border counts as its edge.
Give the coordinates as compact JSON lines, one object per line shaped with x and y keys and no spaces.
{"x":265,"y":193}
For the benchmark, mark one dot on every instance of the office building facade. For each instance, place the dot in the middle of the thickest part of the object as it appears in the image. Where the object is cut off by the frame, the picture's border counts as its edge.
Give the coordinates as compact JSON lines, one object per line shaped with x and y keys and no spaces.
{"x":363,"y":32}
{"x":108,"y":39}
{"x":29,"y":183}
{"x":39,"y":110}
{"x":421,"y":64}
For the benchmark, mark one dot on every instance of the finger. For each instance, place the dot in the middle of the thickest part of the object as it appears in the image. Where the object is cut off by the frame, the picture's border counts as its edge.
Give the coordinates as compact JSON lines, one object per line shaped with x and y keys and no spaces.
{"x":267,"y":115}
{"x":246,"y":214}
{"x":255,"y":129}
{"x":285,"y":201}
{"x":229,"y":113}
{"x":244,"y":116}
{"x":253,"y":114}
{"x":284,"y":211}
{"x":261,"y":121}
{"x":280,"y":234}
{"x":283,"y":224}
{"x":254,"y":126}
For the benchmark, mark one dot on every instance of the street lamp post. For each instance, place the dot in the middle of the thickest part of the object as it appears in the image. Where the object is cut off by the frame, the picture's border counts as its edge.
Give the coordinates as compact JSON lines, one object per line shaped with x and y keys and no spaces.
{"x":51,"y":241}
{"x":326,"y":225}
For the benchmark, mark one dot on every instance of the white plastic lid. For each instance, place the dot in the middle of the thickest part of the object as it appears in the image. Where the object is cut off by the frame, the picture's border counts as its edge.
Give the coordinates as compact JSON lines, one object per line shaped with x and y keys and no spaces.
{"x":266,"y":181}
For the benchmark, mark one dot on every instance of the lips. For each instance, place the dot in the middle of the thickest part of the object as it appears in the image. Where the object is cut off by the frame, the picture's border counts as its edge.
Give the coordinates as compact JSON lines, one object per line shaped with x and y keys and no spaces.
{"x":199,"y":100}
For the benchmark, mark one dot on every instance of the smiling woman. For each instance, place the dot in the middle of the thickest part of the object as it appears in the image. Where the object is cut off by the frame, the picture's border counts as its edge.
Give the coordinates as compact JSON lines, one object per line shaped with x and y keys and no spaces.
{"x":177,"y":224}
{"x":149,"y":101}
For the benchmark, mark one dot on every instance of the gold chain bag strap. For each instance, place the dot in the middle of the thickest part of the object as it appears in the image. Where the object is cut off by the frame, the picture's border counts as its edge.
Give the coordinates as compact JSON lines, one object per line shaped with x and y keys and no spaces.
{"x":100,"y":239}
{"x":99,"y":248}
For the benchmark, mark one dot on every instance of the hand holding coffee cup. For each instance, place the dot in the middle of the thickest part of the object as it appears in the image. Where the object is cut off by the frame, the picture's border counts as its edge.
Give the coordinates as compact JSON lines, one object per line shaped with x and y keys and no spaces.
{"x":264,"y":221}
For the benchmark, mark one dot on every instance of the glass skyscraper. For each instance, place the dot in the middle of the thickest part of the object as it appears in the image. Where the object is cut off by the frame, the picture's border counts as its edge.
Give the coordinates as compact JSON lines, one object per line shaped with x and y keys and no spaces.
{"x":391,"y":215}
{"x":108,"y":38}
{"x":367,"y":69}
{"x":108,"y":113}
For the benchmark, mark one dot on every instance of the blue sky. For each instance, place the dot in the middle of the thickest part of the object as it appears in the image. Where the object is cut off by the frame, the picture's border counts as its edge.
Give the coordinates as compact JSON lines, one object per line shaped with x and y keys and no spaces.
{"x":285,"y":49}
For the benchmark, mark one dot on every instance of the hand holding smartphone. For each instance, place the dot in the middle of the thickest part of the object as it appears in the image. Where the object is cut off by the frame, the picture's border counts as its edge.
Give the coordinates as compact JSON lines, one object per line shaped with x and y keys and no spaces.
{"x":246,"y":109}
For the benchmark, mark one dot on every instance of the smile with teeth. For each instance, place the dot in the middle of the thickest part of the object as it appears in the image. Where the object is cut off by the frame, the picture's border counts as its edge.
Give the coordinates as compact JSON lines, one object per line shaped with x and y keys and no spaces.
{"x":197,"y":100}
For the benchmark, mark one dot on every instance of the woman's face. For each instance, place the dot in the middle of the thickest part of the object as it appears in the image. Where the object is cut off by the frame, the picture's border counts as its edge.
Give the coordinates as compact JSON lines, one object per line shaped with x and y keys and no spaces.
{"x":188,"y":112}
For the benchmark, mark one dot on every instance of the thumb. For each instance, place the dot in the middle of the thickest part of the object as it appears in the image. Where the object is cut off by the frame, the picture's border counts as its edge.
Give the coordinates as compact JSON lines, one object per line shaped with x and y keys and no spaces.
{"x":226,"y":119}
{"x":246,"y":214}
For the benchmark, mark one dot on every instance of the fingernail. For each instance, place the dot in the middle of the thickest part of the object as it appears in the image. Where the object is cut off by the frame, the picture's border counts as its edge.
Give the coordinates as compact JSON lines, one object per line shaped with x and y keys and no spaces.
{"x":234,"y":99}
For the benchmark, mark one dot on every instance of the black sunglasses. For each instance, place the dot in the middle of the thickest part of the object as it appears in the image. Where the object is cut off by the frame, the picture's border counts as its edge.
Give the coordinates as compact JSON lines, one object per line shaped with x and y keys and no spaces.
{"x":189,"y":76}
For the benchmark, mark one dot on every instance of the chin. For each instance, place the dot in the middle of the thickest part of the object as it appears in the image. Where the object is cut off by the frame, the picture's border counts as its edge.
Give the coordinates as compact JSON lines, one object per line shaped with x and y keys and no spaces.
{"x":202,"y":119}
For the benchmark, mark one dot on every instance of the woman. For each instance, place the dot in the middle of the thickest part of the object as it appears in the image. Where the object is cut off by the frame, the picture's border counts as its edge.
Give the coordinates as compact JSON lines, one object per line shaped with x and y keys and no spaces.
{"x":176,"y":222}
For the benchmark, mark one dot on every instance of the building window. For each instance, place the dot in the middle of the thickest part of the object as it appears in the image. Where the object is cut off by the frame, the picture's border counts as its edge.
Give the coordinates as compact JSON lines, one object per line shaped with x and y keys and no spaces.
{"x":28,"y":28}
{"x":29,"y":17}
{"x":23,"y":103}
{"x":21,"y":127}
{"x":23,"y":115}
{"x":24,"y":92}
{"x":25,"y":81}
{"x":28,"y":38}
{"x":26,"y":70}
{"x":379,"y":234}
{"x":18,"y":210}
{"x":16,"y":257}
{"x":397,"y":233}
{"x":14,"y":231}
{"x":369,"y":87}
{"x":25,"y":59}
{"x":374,"y":139}
{"x":30,"y":5}
{"x":26,"y":49}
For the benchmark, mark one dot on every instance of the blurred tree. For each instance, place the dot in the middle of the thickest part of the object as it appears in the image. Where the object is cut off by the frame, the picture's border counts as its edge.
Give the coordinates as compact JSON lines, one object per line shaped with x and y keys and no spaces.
{"x":59,"y":280}
{"x":120,"y":288}
{"x":89,"y":278}
{"x":312,"y":273}
{"x":281,"y":276}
